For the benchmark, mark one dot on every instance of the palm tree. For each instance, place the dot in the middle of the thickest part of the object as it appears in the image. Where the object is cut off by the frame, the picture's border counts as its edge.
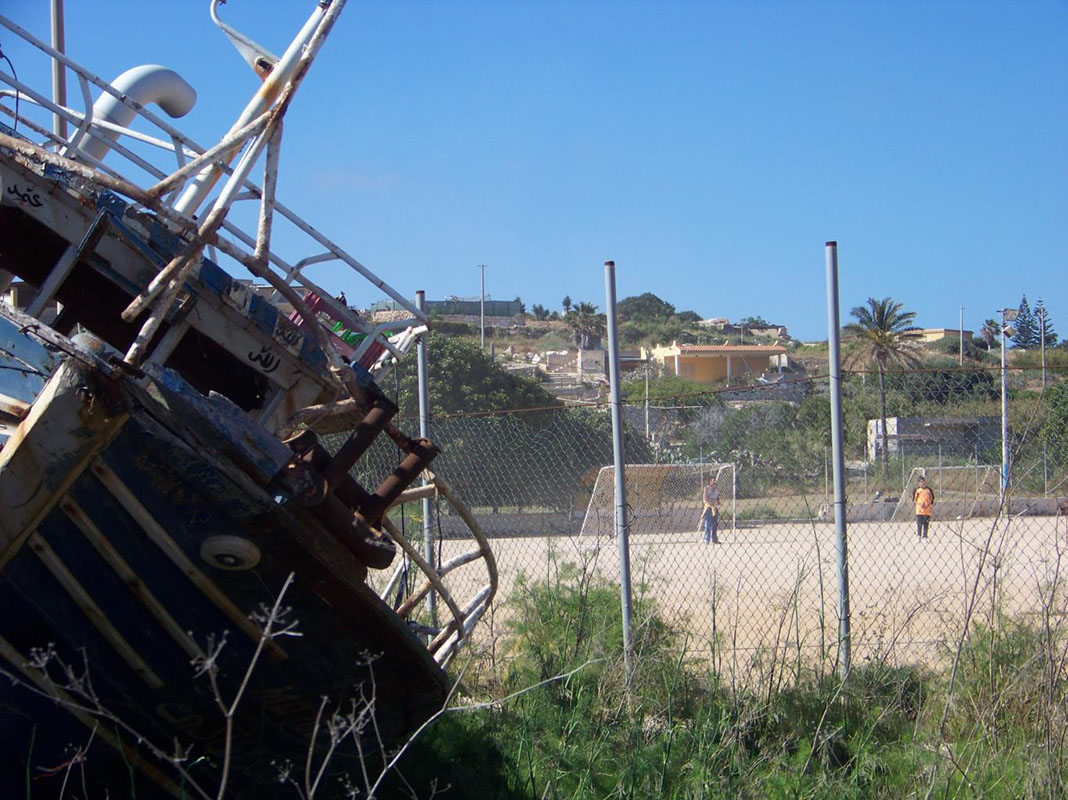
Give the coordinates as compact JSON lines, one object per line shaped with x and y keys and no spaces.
{"x":990,"y":332}
{"x":586,"y":324}
{"x":566,"y":303}
{"x":880,"y":333}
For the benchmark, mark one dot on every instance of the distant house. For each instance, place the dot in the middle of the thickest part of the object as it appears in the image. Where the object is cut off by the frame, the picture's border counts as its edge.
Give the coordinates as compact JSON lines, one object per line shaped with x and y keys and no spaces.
{"x":930,"y":436}
{"x":928,"y":335}
{"x":459,"y":307}
{"x":741,"y":329}
{"x":579,"y":363}
{"x":706,"y":363}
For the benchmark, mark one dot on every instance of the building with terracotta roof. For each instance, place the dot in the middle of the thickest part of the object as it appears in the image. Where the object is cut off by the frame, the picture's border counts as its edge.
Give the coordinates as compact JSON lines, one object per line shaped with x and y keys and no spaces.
{"x":706,"y":363}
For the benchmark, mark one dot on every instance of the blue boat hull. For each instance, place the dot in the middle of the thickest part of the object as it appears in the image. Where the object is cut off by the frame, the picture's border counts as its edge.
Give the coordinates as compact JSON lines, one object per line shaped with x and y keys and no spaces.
{"x":111,"y":584}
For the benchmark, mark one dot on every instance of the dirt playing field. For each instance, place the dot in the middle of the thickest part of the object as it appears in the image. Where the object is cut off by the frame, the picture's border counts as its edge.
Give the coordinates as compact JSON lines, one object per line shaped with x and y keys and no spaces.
{"x":764,"y":590}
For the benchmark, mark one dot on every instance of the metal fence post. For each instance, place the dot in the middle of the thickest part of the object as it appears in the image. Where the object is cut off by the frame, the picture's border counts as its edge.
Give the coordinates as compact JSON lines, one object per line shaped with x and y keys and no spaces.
{"x":901,"y":450}
{"x":424,"y":432}
{"x":834,"y":369}
{"x":622,"y":529}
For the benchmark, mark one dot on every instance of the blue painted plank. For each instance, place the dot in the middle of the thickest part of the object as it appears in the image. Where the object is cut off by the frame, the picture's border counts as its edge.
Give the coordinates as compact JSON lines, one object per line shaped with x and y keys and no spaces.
{"x":25,"y":363}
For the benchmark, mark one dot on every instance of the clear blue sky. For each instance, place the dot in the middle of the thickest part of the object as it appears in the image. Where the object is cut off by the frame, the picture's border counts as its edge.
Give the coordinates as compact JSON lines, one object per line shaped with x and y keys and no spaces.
{"x":709,"y":148}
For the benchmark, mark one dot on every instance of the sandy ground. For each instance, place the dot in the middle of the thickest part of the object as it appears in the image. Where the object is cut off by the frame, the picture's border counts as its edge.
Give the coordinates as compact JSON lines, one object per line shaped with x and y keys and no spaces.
{"x":773,"y":589}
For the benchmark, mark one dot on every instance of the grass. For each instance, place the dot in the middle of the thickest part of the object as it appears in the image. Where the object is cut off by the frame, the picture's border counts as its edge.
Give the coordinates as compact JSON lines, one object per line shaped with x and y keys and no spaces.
{"x":990,"y":721}
{"x":994,"y":727}
{"x":757,"y":509}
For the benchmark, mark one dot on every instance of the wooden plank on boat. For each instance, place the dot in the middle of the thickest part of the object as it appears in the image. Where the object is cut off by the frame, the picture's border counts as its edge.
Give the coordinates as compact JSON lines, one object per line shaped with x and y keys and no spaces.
{"x":25,"y":363}
{"x":78,"y":593}
{"x":12,"y":407}
{"x":71,"y":421}
{"x":129,"y":577}
{"x":170,"y":548}
{"x":37,"y":681}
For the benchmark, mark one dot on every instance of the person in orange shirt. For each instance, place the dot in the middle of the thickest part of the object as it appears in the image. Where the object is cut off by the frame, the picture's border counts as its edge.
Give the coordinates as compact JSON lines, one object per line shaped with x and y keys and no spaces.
{"x":923,"y":497}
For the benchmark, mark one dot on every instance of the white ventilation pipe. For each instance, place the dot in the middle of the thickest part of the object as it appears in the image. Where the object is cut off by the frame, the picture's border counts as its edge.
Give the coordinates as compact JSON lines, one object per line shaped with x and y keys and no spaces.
{"x":149,"y":83}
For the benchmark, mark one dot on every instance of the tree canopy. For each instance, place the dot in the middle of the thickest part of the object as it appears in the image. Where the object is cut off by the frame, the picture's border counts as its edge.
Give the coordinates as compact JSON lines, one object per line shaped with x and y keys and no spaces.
{"x":1055,"y":431}
{"x":644,"y":307}
{"x":462,"y":377}
{"x":879,"y":333}
{"x":587,"y":326}
{"x":1045,"y":325}
{"x":990,"y":332}
{"x":1026,"y":327}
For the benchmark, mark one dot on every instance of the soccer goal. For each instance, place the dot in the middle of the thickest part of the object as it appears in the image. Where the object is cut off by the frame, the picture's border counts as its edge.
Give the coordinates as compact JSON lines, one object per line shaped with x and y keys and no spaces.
{"x":960,"y":492}
{"x":662,"y":498}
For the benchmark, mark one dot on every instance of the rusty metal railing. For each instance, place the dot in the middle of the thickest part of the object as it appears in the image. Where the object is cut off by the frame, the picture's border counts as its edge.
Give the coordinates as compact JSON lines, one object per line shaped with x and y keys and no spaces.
{"x":168,"y":186}
{"x":445,"y":640}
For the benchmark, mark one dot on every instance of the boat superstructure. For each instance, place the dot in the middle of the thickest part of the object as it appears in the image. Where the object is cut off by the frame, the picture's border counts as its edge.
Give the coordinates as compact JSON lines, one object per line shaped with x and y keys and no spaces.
{"x":161,"y":473}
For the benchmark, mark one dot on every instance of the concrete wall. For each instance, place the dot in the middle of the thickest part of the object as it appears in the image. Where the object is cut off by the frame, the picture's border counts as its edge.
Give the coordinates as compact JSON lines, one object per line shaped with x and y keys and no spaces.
{"x":928,"y":335}
{"x":926,"y":436}
{"x":709,"y":368}
{"x":593,"y":362}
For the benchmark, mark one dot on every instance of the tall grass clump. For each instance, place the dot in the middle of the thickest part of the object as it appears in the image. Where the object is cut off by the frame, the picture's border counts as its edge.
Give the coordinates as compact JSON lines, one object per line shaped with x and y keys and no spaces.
{"x":1005,"y":720}
{"x":988,"y":723}
{"x":678,"y":732}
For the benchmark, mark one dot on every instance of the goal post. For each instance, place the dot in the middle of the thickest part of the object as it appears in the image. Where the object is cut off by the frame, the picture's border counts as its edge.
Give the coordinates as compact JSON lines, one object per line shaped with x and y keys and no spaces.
{"x":962,"y":491}
{"x":662,"y":498}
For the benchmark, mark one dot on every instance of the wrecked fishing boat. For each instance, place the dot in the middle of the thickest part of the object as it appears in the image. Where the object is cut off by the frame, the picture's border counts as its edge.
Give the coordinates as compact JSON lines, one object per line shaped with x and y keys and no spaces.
{"x":162,"y":471}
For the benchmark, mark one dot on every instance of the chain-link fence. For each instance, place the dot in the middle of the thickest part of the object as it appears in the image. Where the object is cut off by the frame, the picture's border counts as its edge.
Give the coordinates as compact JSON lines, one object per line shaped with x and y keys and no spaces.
{"x":764,"y":587}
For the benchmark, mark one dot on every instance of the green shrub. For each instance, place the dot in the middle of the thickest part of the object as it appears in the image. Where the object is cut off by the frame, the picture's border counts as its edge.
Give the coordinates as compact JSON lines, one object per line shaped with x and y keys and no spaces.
{"x":1055,"y":431}
{"x":1004,"y":679}
{"x":681,"y":734}
{"x":758,"y":511}
{"x":972,"y":351}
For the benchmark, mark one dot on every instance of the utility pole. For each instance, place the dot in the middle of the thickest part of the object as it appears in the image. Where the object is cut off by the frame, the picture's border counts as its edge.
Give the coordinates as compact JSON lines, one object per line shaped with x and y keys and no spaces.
{"x":482,"y":305}
{"x":646,"y":395}
{"x":961,"y":332}
{"x":834,"y":368}
{"x":1042,"y":340}
{"x":622,"y":525}
{"x":1007,"y":315}
{"x":424,"y":432}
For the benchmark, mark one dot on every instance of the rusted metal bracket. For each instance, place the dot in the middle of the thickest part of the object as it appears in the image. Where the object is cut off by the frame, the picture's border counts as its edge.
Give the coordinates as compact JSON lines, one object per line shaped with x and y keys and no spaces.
{"x":321,"y":483}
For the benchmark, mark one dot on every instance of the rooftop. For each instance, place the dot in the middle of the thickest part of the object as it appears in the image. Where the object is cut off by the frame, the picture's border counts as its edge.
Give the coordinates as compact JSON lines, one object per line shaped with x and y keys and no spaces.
{"x":731,"y":348}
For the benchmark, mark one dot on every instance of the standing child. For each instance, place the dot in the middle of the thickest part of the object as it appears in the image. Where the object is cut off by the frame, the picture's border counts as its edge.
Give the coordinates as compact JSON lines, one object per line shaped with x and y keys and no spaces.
{"x":923,"y":497}
{"x":710,"y":512}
